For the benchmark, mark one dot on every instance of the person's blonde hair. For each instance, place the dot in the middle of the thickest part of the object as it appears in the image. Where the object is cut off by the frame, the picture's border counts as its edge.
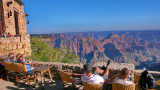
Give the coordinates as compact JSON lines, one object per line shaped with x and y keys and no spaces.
{"x":124,"y":73}
{"x":18,"y":56}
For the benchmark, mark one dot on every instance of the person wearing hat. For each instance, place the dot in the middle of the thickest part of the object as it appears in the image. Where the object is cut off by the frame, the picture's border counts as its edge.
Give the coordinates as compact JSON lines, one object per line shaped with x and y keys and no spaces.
{"x":89,"y":77}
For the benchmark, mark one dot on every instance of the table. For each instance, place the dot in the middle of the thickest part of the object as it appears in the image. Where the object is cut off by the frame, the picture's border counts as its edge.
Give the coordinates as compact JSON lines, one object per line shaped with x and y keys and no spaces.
{"x":42,"y":70}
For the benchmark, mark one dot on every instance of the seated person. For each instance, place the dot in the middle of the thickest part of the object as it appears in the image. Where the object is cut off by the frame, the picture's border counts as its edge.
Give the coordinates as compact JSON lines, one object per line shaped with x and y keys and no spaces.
{"x":9,"y":34}
{"x":11,"y":57}
{"x":122,"y":78}
{"x":89,"y":77}
{"x":21,"y":59}
{"x":4,"y":34}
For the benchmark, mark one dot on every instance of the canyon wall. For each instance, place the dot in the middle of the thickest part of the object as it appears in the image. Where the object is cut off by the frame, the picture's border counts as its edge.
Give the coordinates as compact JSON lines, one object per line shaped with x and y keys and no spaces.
{"x":142,"y":48}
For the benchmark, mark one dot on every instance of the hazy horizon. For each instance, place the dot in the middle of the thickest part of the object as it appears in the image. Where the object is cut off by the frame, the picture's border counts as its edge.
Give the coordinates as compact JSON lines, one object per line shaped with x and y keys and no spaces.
{"x":94,"y":31}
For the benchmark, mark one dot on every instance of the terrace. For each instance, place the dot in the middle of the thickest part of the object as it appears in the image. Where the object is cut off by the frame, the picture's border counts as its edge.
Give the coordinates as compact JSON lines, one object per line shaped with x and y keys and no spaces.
{"x":11,"y":85}
{"x":57,"y":82}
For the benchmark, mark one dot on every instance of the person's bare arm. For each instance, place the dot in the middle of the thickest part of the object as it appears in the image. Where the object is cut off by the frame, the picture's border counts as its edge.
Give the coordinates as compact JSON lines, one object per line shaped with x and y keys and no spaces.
{"x":99,"y":70}
{"x":117,"y":75}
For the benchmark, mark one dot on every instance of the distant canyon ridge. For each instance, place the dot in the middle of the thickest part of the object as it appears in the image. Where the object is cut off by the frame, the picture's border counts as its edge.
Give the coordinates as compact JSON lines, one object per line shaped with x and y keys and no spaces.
{"x":142,"y":48}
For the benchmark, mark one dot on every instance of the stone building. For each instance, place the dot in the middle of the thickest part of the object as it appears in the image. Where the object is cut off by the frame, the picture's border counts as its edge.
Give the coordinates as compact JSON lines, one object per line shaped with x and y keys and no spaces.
{"x":13,"y":20}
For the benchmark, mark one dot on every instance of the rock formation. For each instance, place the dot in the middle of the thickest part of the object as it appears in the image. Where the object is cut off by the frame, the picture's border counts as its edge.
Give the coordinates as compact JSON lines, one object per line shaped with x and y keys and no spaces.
{"x":121,"y":47}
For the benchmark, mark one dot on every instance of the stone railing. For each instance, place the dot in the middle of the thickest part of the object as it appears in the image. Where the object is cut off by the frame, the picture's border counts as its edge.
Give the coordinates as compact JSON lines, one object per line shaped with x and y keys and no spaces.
{"x":115,"y":68}
{"x":7,"y":40}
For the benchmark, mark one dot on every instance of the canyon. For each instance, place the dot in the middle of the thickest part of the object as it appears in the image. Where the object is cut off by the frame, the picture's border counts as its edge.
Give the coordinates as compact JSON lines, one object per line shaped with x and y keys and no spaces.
{"x":141,"y":48}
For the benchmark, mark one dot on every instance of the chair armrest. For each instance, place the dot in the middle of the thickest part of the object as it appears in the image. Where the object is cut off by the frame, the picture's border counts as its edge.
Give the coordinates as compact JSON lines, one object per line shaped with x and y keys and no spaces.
{"x":66,"y":71}
{"x":76,"y":74}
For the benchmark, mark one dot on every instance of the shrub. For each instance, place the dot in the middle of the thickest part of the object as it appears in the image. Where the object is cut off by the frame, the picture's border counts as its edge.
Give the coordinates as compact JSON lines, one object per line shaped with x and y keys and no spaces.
{"x":41,"y":51}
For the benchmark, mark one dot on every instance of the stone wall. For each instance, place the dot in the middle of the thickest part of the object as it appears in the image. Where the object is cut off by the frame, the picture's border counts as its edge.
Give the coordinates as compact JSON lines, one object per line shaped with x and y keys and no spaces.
{"x":20,"y":43}
{"x":115,"y":68}
{"x":15,"y":45}
{"x":9,"y":20}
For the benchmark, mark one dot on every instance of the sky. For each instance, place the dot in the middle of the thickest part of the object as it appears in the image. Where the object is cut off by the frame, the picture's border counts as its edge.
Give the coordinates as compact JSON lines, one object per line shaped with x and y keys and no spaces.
{"x":64,"y":16}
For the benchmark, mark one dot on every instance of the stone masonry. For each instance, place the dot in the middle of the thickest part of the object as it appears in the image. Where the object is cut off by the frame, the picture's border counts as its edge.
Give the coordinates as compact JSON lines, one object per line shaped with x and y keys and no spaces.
{"x":13,"y":20}
{"x":15,"y":45}
{"x":9,"y":8}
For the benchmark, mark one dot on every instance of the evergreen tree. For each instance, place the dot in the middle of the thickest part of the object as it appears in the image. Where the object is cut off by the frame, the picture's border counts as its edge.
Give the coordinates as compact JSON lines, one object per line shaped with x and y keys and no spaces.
{"x":41,"y":51}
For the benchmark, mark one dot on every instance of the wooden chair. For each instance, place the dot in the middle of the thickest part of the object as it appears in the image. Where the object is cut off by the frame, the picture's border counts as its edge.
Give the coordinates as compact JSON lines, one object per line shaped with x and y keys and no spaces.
{"x":157,"y":83}
{"x":136,"y":77}
{"x":67,"y":79}
{"x":2,"y":74}
{"x":2,"y":71}
{"x":19,"y":70}
{"x":137,"y":81}
{"x":89,"y":86}
{"x":117,"y":86}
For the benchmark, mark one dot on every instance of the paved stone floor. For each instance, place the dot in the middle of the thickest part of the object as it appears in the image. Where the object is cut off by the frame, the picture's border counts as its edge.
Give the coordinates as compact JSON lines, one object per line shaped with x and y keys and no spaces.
{"x":12,"y":85}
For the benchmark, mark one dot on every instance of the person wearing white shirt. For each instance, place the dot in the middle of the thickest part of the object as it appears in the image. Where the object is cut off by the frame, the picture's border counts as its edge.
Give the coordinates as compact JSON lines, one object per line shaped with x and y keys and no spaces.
{"x":122,"y":78}
{"x":89,"y":77}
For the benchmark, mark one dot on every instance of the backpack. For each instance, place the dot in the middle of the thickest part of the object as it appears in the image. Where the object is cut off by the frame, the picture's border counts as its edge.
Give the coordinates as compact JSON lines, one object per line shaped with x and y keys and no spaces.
{"x":147,"y":81}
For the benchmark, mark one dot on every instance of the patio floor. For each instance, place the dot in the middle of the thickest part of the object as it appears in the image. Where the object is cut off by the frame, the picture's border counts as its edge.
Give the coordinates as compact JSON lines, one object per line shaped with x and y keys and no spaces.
{"x":12,"y":85}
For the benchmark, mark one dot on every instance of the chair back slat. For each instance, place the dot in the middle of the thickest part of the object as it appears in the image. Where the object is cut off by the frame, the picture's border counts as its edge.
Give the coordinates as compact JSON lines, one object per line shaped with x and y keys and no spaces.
{"x":89,"y":86}
{"x":16,"y":67}
{"x":66,"y":76}
{"x":136,"y":77}
{"x":117,"y":86}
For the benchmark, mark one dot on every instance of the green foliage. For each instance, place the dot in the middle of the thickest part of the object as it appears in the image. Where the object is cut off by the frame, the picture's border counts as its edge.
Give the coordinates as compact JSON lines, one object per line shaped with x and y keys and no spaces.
{"x":41,"y":51}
